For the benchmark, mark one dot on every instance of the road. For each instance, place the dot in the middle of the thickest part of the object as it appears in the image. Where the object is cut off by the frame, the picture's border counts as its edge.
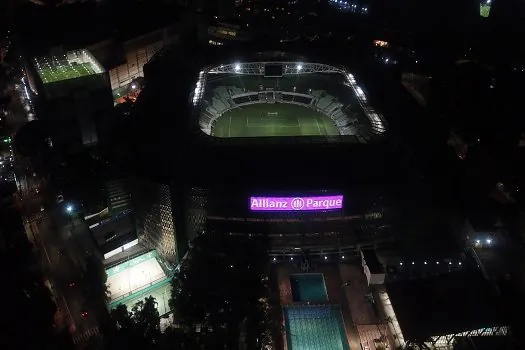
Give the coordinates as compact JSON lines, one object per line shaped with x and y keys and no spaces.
{"x":60,"y":245}
{"x":63,"y":260}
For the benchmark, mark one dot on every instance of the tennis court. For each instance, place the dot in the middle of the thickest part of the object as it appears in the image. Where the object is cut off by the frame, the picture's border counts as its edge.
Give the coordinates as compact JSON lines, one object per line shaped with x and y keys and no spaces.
{"x":273,"y":119}
{"x":315,"y":328}
{"x":134,"y":275}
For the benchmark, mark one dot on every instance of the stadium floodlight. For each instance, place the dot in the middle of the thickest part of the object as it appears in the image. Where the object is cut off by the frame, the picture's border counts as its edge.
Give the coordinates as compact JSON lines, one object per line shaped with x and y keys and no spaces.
{"x":237,"y":67}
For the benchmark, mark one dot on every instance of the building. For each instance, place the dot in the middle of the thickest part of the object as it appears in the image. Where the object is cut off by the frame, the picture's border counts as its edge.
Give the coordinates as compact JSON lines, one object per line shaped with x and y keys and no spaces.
{"x":73,"y":95}
{"x":154,"y":219}
{"x":374,"y":271}
{"x":122,"y":42}
{"x":125,"y":59}
{"x":118,"y":196}
{"x":222,"y":32}
{"x":435,"y":311}
{"x":221,"y":178}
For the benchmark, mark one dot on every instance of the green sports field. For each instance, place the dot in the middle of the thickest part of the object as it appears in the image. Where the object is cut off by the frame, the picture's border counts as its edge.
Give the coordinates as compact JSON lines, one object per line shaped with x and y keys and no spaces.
{"x":50,"y":73}
{"x":260,"y":120}
{"x":484,"y":10}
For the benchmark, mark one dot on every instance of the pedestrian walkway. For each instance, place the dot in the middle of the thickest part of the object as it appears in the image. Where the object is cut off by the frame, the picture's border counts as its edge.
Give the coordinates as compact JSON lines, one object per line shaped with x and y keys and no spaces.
{"x":84,"y":337}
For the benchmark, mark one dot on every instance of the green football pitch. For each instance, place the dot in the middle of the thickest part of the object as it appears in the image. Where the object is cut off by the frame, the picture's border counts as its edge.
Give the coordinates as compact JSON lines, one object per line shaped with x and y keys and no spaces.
{"x":51,"y":73}
{"x":276,"y":119}
{"x":484,"y":10}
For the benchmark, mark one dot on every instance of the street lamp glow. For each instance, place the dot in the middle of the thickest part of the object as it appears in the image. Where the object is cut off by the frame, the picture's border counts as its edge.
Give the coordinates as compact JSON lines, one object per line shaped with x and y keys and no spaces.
{"x":69,"y":209}
{"x":478,"y":241}
{"x":489,"y":241}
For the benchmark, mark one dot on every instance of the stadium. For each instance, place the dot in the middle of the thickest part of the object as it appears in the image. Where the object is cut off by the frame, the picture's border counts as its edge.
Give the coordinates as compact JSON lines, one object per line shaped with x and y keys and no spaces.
{"x":284,"y":99}
{"x":270,"y":143}
{"x":220,"y":132}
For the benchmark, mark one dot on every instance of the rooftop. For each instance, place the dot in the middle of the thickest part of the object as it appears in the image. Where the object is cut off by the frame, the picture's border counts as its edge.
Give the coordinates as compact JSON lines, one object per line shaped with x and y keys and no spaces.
{"x":370,"y":258}
{"x":72,"y":65}
{"x":445,"y":304}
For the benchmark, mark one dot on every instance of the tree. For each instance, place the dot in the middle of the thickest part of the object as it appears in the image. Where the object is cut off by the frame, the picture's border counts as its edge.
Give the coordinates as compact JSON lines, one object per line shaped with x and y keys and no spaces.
{"x":94,"y":279}
{"x":222,"y":287}
{"x":30,"y":308}
{"x":147,"y":320}
{"x":30,"y":141}
{"x":95,"y":290}
{"x":138,"y":329}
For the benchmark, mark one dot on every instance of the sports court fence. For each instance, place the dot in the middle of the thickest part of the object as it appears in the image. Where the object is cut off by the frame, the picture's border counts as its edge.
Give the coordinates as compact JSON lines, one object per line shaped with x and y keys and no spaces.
{"x":132,"y":293}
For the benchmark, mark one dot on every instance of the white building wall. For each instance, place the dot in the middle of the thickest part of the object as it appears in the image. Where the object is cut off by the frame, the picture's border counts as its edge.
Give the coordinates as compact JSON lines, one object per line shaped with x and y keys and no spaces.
{"x":133,"y":68}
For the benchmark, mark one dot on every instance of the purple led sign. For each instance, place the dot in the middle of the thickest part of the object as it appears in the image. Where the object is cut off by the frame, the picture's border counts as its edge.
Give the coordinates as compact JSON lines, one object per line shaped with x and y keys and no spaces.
{"x":296,"y":203}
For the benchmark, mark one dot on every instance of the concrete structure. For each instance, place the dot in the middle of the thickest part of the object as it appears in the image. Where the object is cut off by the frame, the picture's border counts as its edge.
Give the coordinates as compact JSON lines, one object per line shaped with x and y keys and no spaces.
{"x":435,"y":311}
{"x":125,"y":60}
{"x":155,"y":218}
{"x":374,"y":271}
{"x":73,"y":97}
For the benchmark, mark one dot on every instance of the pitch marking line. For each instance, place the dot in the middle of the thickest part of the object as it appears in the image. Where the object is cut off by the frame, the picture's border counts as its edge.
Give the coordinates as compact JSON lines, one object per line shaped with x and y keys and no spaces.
{"x":318,"y":128}
{"x":230,"y":127}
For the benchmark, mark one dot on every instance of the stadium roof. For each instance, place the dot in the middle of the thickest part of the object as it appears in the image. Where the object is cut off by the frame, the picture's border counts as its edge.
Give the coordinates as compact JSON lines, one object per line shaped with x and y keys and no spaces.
{"x":447,"y":304}
{"x":485,"y":343}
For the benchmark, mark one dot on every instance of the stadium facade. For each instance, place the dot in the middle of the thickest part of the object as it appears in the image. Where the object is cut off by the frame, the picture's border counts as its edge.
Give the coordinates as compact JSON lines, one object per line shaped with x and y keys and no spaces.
{"x":231,"y":182}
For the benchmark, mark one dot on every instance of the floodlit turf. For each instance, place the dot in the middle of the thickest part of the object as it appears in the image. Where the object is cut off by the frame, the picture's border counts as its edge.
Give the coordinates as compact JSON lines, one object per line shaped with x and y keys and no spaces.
{"x":133,"y":276}
{"x":53,"y":72}
{"x":254,"y":121}
{"x":484,"y":10}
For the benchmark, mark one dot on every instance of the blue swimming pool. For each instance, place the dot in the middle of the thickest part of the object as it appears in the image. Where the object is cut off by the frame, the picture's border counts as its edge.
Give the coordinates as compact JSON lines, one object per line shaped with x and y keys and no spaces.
{"x":308,"y":287}
{"x":315,"y":328}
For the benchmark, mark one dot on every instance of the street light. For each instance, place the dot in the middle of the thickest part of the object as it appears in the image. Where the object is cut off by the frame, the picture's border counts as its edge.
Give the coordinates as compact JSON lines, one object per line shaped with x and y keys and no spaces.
{"x":69,"y":210}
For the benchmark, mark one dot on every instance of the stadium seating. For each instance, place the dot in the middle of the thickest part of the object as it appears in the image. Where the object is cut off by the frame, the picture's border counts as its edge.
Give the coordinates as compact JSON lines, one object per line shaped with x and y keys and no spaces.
{"x":232,"y":92}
